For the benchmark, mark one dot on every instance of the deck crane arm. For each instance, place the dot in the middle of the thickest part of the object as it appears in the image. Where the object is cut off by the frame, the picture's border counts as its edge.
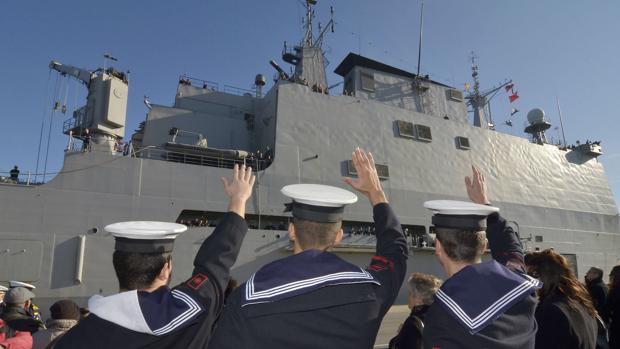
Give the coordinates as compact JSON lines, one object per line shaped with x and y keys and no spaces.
{"x":78,"y":73}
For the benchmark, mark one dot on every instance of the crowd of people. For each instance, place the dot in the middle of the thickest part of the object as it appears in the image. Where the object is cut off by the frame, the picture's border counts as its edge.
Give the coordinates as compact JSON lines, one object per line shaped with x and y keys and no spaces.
{"x":315,"y":299}
{"x":20,"y":322}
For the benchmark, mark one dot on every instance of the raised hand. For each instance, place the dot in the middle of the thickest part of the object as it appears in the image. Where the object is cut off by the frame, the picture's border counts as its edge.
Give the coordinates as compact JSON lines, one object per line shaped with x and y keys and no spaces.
{"x":367,"y":181}
{"x":476,"y":187}
{"x":239,"y":189}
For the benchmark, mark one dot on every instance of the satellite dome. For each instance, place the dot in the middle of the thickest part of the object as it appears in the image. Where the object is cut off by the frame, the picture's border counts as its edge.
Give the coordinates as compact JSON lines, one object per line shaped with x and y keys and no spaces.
{"x":536,"y":116}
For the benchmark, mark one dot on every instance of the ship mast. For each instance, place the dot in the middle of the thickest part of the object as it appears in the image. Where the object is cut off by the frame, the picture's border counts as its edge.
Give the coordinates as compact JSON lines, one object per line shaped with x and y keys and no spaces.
{"x":307,"y":40}
{"x":308,"y":57}
{"x":479,"y":100}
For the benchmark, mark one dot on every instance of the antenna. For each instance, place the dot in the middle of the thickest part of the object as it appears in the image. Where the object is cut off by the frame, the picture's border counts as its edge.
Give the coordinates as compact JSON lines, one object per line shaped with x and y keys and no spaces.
{"x":420,"y":43}
{"x":557,"y":100}
{"x":308,"y":39}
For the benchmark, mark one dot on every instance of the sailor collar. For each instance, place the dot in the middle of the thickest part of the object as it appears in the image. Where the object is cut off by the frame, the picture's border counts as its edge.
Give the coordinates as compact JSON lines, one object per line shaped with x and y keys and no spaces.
{"x":300,"y":274}
{"x":480,"y":293}
{"x":156,"y":313}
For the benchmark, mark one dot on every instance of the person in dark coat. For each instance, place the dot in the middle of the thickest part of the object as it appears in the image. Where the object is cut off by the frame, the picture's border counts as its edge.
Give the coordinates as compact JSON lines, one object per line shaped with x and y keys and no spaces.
{"x":16,"y":314}
{"x":14,"y":174}
{"x":597,"y":290}
{"x":565,"y":314}
{"x":612,"y":308}
{"x":147,"y":313}
{"x":482,"y":304}
{"x":313,"y":298}
{"x":422,"y":289}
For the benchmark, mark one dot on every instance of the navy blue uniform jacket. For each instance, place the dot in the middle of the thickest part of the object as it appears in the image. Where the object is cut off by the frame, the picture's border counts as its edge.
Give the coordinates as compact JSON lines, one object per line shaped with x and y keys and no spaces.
{"x":491,"y":304}
{"x":181,"y":317}
{"x":290,"y":303}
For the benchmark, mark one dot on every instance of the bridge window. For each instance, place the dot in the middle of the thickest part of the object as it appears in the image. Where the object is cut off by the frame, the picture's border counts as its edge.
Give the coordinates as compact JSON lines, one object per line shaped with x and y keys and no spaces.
{"x":455,"y":95}
{"x":368,"y":82}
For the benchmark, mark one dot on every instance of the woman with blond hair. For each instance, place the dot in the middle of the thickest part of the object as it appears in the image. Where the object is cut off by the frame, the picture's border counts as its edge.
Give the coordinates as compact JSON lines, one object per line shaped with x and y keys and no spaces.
{"x":422,"y":289}
{"x":565,"y":314}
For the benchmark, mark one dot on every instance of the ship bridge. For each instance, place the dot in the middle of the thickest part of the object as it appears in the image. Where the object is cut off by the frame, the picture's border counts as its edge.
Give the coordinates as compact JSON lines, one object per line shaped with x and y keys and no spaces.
{"x":372,"y":80}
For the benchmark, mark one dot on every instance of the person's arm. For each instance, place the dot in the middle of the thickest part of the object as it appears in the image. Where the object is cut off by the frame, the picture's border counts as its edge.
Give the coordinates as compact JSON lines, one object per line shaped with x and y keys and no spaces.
{"x":219,"y":251}
{"x":504,"y":242}
{"x":389,"y":265}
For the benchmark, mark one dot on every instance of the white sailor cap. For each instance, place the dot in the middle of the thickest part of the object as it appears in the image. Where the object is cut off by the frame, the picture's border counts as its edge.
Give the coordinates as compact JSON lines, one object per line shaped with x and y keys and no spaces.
{"x":13,"y":284}
{"x":3,"y":289}
{"x":317,"y":202}
{"x":459,"y":214}
{"x":145,"y":236}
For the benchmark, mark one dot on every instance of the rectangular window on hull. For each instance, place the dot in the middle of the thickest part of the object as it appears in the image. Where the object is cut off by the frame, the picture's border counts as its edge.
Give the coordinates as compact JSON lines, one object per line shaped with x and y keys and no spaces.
{"x":382,"y":170}
{"x":423,"y":133}
{"x":462,"y":142}
{"x":405,"y":129}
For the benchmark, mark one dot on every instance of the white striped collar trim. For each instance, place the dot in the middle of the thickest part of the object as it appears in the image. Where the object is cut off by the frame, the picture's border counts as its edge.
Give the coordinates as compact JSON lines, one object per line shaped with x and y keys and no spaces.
{"x":480,"y":321}
{"x":193,"y":310}
{"x":122,"y":309}
{"x":345,"y":277}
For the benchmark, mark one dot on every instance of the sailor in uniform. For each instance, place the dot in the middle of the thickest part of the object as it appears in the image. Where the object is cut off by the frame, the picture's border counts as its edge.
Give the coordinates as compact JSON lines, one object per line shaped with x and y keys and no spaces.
{"x":482,"y":304}
{"x":147,"y":313}
{"x":313,"y":298}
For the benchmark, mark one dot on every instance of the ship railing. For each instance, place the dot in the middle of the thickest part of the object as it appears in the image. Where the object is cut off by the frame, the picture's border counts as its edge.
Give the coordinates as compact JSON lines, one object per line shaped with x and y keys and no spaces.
{"x":238,"y":91}
{"x":76,"y":145}
{"x":214,"y":86}
{"x":206,"y":84}
{"x":78,"y":120}
{"x":157,"y":153}
{"x":24,"y":179}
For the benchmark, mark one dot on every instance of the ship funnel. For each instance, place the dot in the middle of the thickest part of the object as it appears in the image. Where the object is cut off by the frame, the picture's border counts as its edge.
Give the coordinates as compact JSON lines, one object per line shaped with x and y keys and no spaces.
{"x":537,"y":125}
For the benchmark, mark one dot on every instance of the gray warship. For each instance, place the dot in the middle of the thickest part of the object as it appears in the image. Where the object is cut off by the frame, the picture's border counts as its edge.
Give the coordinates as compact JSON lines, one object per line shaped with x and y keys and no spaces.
{"x":298,"y":131}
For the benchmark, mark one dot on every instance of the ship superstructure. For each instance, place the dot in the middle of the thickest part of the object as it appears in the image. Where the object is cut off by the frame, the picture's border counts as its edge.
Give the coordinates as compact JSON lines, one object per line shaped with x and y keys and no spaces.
{"x":299,"y":131}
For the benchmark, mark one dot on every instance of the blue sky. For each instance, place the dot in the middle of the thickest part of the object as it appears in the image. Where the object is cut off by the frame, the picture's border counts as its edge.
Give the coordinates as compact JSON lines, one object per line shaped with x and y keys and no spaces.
{"x":567,"y":49}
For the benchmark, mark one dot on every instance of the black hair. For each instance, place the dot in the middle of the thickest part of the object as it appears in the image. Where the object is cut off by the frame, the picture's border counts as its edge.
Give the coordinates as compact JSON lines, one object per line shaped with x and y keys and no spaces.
{"x":138,"y":270}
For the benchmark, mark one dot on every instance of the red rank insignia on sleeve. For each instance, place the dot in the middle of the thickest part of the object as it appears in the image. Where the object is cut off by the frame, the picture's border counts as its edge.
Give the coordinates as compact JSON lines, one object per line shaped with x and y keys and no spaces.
{"x":380,"y":263}
{"x":197,"y":280}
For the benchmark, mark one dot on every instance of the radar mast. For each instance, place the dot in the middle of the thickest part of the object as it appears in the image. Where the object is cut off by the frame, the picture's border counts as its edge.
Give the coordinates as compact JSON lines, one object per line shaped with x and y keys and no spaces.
{"x":308,"y":57}
{"x":479,"y":100}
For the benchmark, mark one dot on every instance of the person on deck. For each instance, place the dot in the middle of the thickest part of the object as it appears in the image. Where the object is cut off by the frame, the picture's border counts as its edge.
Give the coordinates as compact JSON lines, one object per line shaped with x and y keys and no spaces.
{"x":14,"y":173}
{"x":481,"y":304}
{"x":147,"y":313}
{"x":313,"y":298}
